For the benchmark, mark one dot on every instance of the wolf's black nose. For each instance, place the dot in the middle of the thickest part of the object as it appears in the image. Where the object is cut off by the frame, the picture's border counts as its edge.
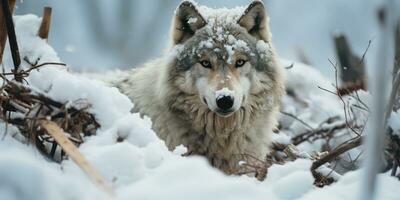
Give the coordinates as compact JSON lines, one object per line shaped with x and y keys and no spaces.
{"x":225,"y":103}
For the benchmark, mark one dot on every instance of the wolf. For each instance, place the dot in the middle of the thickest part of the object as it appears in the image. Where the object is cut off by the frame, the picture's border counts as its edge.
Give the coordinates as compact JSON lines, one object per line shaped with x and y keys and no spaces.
{"x":218,"y":89}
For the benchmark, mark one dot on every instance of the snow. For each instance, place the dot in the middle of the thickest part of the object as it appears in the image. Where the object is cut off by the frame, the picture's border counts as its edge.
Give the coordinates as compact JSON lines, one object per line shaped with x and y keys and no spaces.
{"x":264,"y":49}
{"x":141,"y":167}
{"x":207,"y":43}
{"x":282,"y":138}
{"x":192,"y":20}
{"x":294,"y":177}
{"x":317,"y":105}
{"x":224,"y":92}
{"x":180,"y":150}
{"x":221,"y":16}
{"x":235,"y":44}
{"x":25,"y":174}
{"x":349,"y":188}
{"x":394,"y":122}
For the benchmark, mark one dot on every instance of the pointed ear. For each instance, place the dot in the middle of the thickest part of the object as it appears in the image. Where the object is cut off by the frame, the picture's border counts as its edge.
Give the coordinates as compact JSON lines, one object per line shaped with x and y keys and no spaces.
{"x":187,"y":21}
{"x":255,"y":20}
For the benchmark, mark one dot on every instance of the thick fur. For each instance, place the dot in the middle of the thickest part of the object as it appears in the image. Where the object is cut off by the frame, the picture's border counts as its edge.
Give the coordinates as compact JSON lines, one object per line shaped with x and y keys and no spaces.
{"x":170,"y":90}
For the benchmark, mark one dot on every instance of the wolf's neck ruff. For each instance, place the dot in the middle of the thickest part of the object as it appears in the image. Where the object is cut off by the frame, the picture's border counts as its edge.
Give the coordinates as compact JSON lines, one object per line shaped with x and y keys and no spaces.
{"x":204,"y":121}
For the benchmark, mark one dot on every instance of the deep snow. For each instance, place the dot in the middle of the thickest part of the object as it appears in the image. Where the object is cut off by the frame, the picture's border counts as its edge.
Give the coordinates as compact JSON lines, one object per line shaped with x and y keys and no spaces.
{"x":141,"y":167}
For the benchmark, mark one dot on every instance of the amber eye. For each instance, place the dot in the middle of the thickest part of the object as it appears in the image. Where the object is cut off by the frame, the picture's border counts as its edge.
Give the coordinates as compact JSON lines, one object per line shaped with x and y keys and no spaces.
{"x":206,"y":64}
{"x":240,"y":63}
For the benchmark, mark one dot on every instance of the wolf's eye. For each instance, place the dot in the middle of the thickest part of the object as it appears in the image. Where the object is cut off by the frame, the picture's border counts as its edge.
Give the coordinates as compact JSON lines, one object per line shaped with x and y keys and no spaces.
{"x":240,"y":63}
{"x":206,"y":64}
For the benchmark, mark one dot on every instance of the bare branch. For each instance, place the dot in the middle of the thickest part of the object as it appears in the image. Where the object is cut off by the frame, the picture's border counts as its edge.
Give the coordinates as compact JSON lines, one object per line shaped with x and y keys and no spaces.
{"x":336,"y":152}
{"x":297,"y":119}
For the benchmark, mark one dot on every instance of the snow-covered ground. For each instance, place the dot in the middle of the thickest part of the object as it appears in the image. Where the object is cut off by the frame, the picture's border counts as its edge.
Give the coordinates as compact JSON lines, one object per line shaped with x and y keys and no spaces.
{"x":141,"y":167}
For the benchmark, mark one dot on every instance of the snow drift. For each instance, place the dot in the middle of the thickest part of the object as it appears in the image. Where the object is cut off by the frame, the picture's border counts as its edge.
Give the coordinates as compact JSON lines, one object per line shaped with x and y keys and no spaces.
{"x":141,"y":167}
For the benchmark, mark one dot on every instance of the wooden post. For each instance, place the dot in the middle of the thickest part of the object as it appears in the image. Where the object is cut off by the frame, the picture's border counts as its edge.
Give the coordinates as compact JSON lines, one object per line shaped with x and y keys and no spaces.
{"x":45,"y":25}
{"x":351,"y":66}
{"x":3,"y":29}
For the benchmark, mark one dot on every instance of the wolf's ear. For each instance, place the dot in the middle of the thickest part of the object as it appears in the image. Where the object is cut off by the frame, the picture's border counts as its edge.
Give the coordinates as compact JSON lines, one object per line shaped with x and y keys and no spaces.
{"x":255,"y":21}
{"x":187,"y":21}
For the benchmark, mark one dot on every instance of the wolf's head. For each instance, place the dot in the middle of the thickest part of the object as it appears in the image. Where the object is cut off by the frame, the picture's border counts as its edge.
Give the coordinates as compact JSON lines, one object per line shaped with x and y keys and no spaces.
{"x":223,"y":56}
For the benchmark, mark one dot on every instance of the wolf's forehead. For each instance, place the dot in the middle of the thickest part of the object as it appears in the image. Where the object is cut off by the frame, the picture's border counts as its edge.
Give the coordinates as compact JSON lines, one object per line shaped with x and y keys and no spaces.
{"x":221,"y":32}
{"x":219,"y":42}
{"x":222,"y":42}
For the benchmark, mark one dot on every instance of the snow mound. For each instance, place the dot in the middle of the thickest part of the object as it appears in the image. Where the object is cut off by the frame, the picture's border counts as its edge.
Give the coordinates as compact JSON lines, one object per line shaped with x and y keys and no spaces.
{"x":128,"y":153}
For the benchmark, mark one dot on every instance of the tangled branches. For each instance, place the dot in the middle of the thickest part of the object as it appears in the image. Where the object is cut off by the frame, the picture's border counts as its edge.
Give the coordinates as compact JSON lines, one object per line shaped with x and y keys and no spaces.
{"x":23,"y":107}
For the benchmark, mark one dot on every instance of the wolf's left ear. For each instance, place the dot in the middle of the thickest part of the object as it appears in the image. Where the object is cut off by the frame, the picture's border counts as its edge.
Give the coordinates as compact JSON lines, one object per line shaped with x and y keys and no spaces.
{"x":187,"y":21}
{"x":255,"y":20}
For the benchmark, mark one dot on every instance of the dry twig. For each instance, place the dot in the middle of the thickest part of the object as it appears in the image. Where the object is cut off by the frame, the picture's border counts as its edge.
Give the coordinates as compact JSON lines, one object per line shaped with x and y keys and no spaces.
{"x":351,"y":144}
{"x":70,"y":149}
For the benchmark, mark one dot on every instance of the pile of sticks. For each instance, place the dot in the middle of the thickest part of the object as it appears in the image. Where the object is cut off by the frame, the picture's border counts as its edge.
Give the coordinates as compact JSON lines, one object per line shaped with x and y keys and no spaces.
{"x":56,"y":128}
{"x":25,"y":109}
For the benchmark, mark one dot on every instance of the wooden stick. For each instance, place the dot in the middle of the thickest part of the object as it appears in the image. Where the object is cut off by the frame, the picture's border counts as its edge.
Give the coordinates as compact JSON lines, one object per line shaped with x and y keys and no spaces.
{"x":45,"y":25}
{"x":3,"y":29}
{"x":72,"y":151}
{"x":12,"y":38}
{"x":336,"y":152}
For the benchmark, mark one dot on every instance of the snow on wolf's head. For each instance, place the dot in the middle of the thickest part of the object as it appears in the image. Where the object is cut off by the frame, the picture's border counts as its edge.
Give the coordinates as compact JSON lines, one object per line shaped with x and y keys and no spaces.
{"x":224,"y":57}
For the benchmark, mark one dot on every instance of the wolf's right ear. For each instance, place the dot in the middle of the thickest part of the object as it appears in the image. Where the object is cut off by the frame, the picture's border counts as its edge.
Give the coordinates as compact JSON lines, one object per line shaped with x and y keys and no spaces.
{"x":255,"y":20}
{"x":187,"y":21}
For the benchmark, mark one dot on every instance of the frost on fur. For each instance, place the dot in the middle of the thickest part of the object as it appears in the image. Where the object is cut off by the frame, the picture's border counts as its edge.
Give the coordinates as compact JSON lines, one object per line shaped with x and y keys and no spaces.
{"x":217,"y":25}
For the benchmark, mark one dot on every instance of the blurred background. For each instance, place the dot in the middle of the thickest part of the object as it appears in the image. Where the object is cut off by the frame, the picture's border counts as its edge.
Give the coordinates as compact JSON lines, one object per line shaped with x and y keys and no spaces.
{"x":94,"y":35}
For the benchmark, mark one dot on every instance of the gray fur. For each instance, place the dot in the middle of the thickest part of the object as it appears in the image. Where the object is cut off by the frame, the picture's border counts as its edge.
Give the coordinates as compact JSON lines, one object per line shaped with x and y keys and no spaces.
{"x":165,"y":90}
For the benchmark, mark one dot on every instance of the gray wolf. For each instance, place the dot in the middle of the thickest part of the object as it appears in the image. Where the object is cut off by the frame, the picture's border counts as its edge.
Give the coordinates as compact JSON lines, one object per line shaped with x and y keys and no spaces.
{"x":218,"y":89}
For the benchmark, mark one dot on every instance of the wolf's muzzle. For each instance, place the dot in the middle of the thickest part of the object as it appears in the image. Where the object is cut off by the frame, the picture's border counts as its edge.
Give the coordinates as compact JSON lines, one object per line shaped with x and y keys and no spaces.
{"x":225,"y":103}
